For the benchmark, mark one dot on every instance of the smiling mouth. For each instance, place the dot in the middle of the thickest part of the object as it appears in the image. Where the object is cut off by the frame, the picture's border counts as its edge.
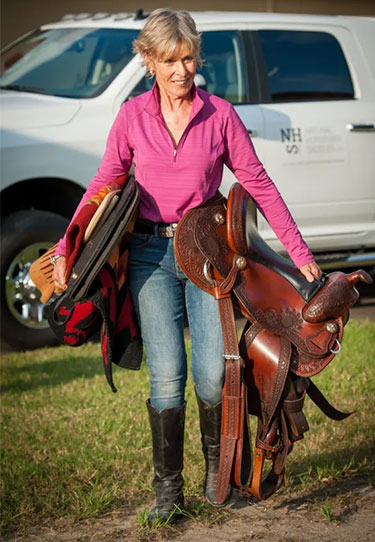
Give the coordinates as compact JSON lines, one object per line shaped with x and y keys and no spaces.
{"x":181,"y":83}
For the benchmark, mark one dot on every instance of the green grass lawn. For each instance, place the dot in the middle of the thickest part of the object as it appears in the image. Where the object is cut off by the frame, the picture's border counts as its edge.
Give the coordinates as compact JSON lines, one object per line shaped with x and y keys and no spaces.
{"x":71,"y":448}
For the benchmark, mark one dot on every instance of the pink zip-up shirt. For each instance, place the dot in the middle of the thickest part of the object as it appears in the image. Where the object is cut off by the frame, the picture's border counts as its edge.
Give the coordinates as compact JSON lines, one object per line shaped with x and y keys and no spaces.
{"x":174,"y":180}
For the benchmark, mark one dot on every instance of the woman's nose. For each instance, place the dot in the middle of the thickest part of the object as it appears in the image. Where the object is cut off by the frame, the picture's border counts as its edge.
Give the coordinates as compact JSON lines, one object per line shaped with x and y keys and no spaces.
{"x":181,"y":67}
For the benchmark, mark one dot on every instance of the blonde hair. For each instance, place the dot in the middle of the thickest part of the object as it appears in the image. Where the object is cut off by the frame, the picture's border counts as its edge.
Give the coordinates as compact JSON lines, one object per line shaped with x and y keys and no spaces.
{"x":165,"y":31}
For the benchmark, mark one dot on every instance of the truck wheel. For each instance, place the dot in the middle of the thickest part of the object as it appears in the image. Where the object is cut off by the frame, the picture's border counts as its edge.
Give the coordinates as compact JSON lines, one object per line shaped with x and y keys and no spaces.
{"x":25,"y":235}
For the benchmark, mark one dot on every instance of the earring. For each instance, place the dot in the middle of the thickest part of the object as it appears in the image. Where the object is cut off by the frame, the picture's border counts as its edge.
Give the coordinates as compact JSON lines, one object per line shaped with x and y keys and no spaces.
{"x":152,"y":73}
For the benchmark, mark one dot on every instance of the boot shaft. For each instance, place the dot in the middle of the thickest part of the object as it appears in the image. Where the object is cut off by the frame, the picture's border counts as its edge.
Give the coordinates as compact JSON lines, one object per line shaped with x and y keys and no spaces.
{"x":167,"y":430}
{"x":210,"y":424}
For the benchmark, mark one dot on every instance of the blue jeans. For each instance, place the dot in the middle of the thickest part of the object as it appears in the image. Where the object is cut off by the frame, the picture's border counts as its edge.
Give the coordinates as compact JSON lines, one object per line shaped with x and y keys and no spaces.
{"x":159,"y":287}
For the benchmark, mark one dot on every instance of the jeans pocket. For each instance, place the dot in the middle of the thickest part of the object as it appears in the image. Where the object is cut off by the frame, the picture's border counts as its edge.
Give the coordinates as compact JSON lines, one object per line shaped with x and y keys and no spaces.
{"x":140,"y":240}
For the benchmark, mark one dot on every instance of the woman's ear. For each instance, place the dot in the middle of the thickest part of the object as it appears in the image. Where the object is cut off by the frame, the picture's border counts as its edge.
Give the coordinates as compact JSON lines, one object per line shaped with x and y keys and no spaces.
{"x":149,"y":63}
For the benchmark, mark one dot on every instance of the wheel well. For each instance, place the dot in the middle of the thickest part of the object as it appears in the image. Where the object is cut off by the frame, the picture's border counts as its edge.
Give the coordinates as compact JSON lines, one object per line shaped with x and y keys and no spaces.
{"x":58,"y":196}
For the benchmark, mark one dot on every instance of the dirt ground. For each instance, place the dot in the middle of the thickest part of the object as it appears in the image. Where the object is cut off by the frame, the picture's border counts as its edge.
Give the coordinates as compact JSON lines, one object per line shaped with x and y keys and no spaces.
{"x":335,"y":512}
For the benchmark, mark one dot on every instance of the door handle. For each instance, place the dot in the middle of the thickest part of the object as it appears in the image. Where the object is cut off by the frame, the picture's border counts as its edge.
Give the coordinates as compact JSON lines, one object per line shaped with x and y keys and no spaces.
{"x":360,"y":127}
{"x":252,"y":133}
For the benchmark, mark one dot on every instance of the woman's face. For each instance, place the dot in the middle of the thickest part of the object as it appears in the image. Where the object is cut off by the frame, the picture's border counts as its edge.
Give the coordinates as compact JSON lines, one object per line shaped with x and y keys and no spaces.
{"x":175,"y":74}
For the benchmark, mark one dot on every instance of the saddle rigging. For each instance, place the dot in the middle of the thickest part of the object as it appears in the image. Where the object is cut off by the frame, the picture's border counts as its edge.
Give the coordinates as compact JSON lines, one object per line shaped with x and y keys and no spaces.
{"x":294,"y":329}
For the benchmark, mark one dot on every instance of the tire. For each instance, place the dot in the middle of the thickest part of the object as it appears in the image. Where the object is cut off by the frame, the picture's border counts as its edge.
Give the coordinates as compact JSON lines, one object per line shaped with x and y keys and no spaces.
{"x":25,"y":235}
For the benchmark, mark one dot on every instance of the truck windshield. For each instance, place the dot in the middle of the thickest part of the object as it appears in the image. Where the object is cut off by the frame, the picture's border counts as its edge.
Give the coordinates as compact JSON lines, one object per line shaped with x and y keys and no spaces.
{"x":67,"y":62}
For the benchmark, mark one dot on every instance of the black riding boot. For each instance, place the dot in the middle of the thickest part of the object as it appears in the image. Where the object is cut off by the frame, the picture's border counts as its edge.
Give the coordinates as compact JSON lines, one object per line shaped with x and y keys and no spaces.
{"x":210,"y":422}
{"x":167,"y":428}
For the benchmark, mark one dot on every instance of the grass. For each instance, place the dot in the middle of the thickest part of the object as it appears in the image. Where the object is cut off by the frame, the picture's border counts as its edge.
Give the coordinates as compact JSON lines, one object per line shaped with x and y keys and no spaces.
{"x":328,"y":512}
{"x":72,"y":449}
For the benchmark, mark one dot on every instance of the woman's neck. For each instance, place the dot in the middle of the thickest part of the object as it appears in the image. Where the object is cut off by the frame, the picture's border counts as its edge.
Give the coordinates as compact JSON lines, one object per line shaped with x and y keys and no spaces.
{"x":174,"y":104}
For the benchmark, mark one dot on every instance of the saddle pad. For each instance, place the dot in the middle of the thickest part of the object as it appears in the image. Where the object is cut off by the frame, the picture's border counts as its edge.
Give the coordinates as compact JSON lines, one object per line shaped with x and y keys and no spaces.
{"x":101,"y":215}
{"x":100,"y":246}
{"x":41,"y":270}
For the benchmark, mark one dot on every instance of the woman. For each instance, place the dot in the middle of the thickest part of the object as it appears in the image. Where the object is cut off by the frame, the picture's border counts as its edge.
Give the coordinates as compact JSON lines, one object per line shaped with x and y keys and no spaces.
{"x":179,"y":138}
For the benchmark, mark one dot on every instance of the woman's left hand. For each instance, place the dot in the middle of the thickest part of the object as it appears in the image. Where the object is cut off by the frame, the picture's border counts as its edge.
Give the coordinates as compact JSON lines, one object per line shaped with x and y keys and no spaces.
{"x":311,"y":271}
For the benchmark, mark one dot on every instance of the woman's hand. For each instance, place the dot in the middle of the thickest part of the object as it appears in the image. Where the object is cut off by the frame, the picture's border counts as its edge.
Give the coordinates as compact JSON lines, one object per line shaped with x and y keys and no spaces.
{"x":311,"y":271}
{"x":58,"y":275}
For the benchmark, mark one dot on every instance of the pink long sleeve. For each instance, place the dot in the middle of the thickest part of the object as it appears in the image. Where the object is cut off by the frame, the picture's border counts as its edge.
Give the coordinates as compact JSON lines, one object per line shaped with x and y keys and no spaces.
{"x":243,"y":161}
{"x":176,"y":179}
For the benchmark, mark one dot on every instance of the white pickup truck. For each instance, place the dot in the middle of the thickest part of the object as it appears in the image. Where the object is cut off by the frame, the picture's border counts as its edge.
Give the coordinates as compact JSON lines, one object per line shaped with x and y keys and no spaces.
{"x":303,"y":85}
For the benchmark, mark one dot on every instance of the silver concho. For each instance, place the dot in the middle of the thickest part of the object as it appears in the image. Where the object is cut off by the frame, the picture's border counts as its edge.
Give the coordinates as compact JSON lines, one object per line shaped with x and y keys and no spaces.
{"x":332,"y":327}
{"x":219,"y":218}
{"x":241,"y":262}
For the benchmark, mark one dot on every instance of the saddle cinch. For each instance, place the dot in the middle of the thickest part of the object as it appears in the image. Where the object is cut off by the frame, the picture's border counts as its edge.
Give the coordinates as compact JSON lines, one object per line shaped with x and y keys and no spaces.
{"x":294,"y":329}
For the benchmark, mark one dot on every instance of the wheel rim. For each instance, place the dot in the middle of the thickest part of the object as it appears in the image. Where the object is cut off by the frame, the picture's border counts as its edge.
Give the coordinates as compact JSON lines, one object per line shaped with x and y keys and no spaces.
{"x":22,"y":296}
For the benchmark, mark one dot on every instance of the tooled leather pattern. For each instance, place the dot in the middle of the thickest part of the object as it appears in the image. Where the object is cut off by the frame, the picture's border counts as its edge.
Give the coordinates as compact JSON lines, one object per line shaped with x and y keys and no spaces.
{"x":331,"y":302}
{"x":228,"y":326}
{"x":281,"y":374}
{"x":189,"y":257}
{"x":226,"y":459}
{"x":213,"y":245}
{"x":250,"y":335}
{"x":229,"y":436}
{"x":288,"y":322}
{"x":233,"y":395}
{"x":304,"y":364}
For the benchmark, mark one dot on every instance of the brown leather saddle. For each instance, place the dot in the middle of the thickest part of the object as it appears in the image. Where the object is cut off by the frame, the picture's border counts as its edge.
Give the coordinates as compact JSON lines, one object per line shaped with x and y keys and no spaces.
{"x":294,"y":329}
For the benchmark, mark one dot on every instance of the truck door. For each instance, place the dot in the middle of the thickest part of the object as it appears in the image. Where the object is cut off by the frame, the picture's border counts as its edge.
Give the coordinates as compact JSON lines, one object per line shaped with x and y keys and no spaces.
{"x":317,"y":144}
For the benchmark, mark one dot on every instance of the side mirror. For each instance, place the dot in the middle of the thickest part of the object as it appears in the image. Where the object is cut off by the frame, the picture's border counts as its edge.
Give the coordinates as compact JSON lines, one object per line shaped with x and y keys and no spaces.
{"x":200,"y":81}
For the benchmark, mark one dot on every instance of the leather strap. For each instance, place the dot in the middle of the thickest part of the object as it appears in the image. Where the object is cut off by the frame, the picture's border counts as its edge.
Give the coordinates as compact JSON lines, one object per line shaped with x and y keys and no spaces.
{"x":316,"y":395}
{"x":264,"y":488}
{"x":233,"y":398}
{"x":235,"y":430}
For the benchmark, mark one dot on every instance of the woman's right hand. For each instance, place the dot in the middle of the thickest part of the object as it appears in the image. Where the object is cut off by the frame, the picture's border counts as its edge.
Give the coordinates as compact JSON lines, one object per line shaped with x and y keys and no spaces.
{"x":58,"y":275}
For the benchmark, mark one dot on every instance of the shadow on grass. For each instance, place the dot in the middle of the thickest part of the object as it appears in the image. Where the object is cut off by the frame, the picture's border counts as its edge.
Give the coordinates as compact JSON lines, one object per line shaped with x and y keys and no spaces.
{"x":339,"y":488}
{"x":51,"y":373}
{"x":345,"y":470}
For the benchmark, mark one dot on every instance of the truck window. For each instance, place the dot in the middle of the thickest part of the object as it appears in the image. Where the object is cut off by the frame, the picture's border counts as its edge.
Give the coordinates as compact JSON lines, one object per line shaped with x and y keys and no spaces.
{"x":68,"y":62}
{"x":223,"y":69}
{"x":305,"y":66}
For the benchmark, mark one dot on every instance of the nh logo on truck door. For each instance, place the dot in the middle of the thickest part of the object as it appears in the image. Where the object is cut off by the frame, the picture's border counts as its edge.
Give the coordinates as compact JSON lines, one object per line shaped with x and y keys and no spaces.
{"x":291,"y":137}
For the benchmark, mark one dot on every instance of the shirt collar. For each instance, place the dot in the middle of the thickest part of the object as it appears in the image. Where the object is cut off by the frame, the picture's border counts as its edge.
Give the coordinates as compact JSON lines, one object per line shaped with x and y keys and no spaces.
{"x":153,"y":106}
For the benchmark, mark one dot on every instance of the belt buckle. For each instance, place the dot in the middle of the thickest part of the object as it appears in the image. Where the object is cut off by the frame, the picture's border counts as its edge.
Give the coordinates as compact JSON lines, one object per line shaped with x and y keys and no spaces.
{"x":168,"y":231}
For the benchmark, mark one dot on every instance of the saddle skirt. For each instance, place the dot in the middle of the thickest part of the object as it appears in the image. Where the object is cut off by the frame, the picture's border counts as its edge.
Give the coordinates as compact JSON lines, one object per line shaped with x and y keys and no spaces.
{"x":294,"y":329}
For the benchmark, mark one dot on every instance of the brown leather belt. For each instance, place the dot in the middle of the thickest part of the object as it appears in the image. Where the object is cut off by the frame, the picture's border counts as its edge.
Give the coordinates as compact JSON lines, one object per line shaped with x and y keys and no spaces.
{"x":158,"y":229}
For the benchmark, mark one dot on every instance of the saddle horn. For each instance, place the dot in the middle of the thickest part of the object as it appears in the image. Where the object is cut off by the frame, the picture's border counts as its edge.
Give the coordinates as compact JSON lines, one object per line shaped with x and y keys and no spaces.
{"x":359,"y":276}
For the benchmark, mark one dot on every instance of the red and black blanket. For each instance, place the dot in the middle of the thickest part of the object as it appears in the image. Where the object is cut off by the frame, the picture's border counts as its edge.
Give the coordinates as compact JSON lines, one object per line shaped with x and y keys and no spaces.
{"x":107,"y":307}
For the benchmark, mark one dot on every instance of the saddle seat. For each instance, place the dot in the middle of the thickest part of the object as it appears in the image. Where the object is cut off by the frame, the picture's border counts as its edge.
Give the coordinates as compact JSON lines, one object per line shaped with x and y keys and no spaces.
{"x":328,"y":298}
{"x":244,"y":239}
